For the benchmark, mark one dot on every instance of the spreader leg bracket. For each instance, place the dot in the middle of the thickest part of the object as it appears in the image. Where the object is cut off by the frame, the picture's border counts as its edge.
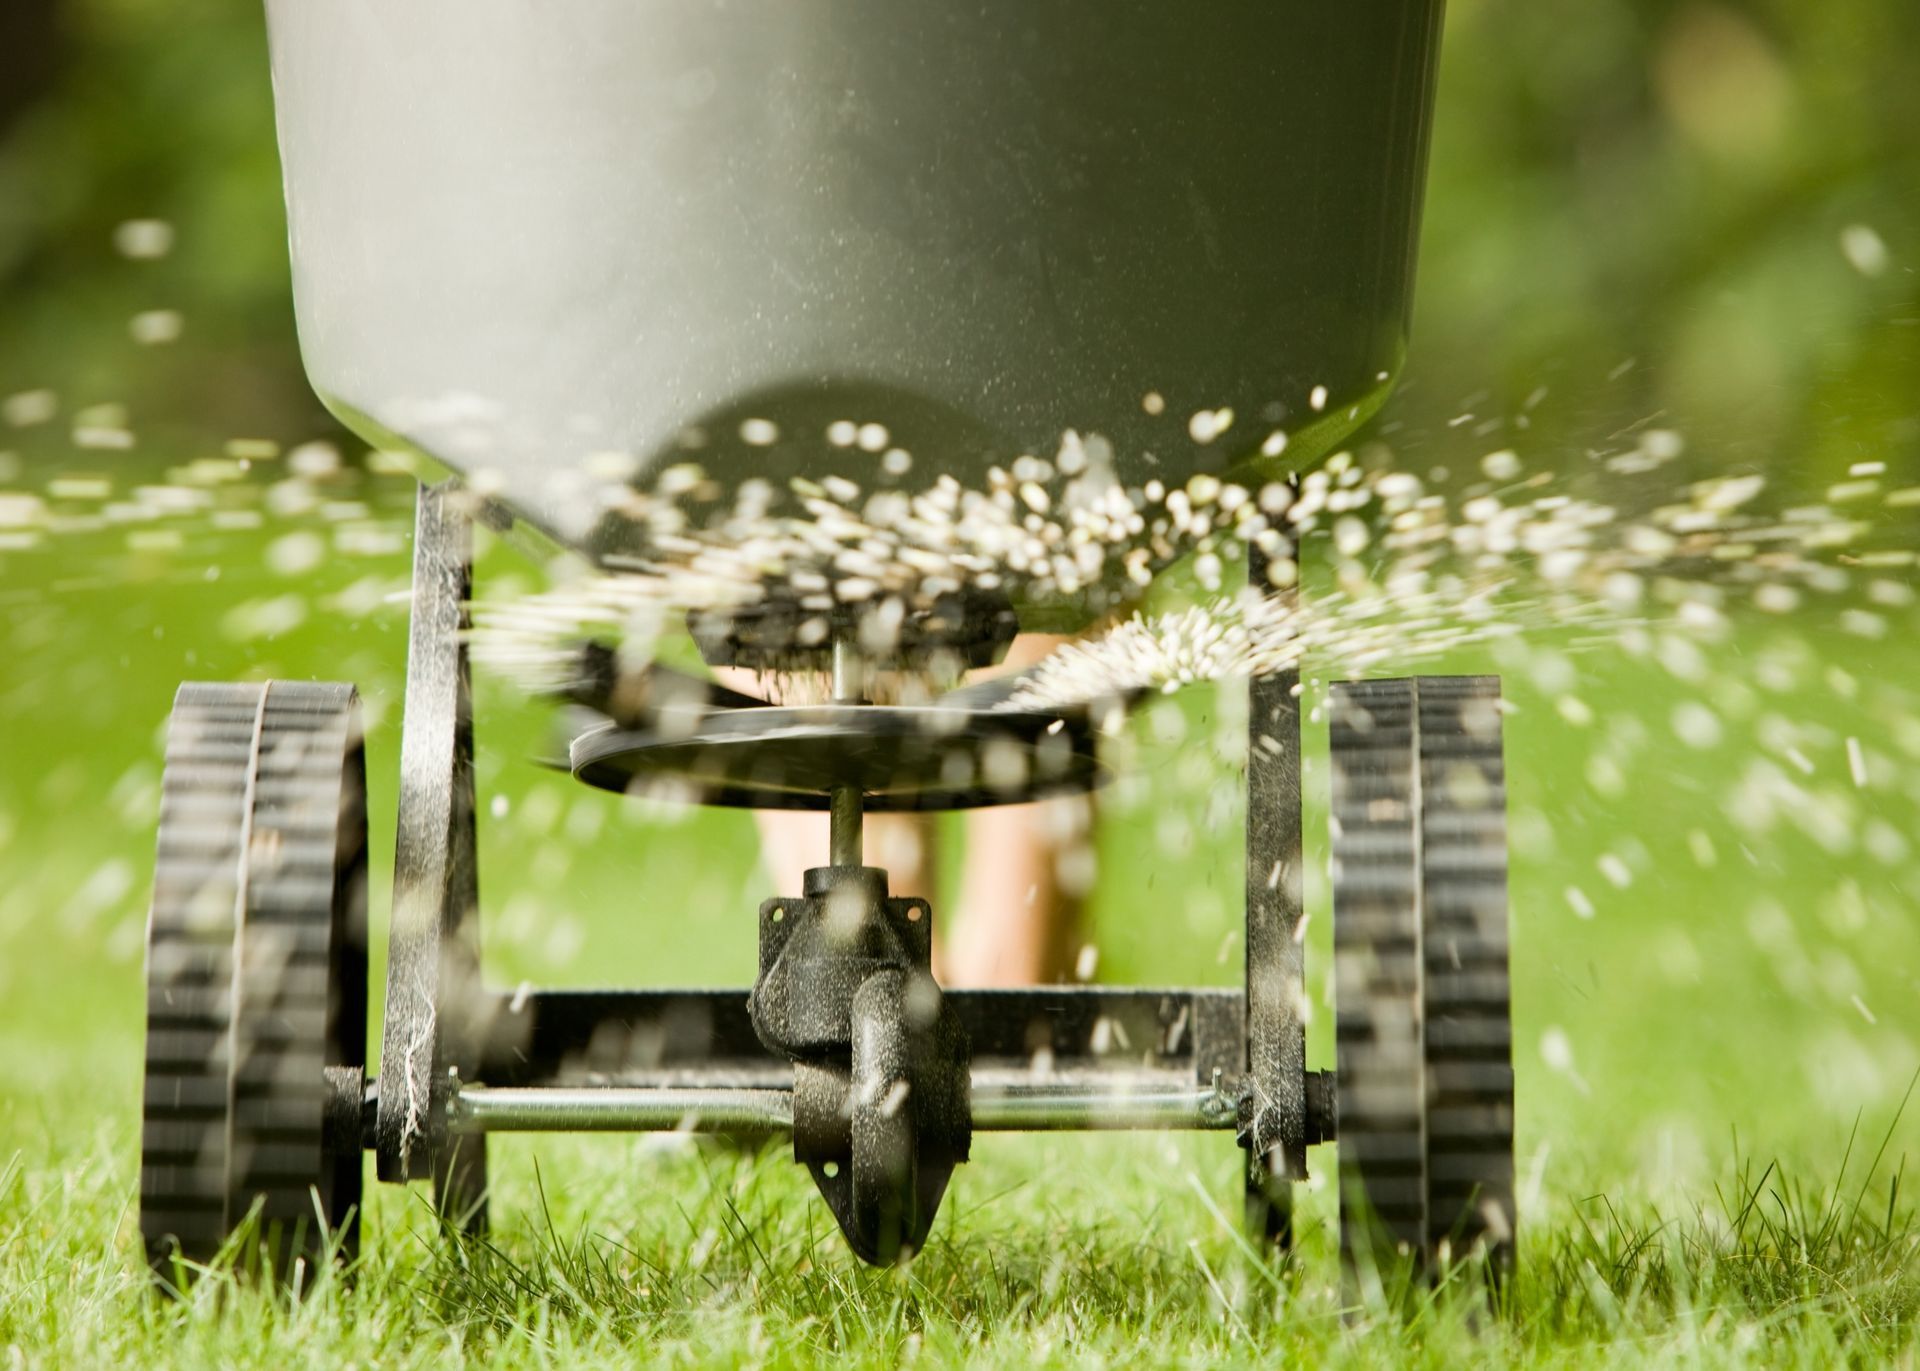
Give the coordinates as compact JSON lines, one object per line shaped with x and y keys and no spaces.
{"x":434,"y":995}
{"x":880,"y":1059}
{"x":1275,"y":1133}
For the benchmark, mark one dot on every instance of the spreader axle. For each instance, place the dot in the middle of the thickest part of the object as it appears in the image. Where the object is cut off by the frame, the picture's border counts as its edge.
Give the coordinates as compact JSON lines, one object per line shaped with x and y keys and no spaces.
{"x":1000,"y":1102}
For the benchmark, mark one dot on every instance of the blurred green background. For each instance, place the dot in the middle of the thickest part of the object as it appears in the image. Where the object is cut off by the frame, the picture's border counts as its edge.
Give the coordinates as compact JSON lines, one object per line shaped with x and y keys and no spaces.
{"x":1700,"y":217}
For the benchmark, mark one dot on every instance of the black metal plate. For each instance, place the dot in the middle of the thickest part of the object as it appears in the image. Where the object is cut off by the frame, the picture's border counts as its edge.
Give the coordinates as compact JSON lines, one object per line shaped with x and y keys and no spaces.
{"x":706,"y":1037}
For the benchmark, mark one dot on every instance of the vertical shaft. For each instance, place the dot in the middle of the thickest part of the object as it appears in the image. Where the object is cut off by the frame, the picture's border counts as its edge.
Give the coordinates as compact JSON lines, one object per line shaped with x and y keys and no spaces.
{"x":843,"y":804}
{"x":849,"y":673}
{"x":844,"y":818}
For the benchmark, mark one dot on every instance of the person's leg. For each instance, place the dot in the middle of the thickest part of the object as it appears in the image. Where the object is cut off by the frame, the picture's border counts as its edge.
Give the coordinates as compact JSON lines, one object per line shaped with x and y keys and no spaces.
{"x":1017,"y":922}
{"x":1028,"y":870}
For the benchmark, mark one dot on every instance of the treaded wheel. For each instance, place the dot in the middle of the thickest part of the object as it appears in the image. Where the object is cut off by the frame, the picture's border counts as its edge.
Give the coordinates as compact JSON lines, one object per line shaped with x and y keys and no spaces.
{"x":256,"y":974}
{"x":1425,"y":1075}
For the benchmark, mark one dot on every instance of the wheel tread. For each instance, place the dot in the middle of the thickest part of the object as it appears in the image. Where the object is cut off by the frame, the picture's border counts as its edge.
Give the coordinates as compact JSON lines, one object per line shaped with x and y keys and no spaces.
{"x":263,"y":794}
{"x":1423,"y":1024}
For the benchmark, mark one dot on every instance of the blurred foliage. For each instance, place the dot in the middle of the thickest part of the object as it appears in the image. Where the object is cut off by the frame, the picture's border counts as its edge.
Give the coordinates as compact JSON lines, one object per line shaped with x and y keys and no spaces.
{"x":1698,"y":214}
{"x":148,"y":112}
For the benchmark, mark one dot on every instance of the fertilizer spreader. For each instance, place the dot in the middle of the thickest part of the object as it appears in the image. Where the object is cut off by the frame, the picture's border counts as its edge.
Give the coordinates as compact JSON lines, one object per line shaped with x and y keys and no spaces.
{"x":593,"y":261}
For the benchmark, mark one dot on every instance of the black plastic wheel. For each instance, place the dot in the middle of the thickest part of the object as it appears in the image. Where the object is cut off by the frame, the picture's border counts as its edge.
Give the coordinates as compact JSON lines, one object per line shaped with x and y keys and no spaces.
{"x":256,"y":976}
{"x":1423,"y":1021}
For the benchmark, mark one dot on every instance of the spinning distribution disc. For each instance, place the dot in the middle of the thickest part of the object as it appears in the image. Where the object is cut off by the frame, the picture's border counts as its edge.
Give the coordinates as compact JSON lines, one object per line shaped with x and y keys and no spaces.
{"x":899,"y":757}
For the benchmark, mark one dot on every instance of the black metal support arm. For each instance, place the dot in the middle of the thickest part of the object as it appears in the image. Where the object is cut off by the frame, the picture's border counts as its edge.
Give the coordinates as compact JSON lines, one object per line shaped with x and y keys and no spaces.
{"x":1277,"y":1128}
{"x":665,"y":1037}
{"x":433,"y":971}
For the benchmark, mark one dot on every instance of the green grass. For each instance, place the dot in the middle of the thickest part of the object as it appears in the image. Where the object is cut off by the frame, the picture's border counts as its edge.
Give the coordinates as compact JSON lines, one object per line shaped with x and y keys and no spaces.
{"x":1713,"y":1035}
{"x":1076,"y":1253}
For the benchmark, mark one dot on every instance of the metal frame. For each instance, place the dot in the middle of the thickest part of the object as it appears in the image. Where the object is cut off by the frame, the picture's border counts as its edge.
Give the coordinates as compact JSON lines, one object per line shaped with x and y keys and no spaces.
{"x":433,"y":949}
{"x":998,"y":1103}
{"x":1276,"y":1055}
{"x":459,"y":1060}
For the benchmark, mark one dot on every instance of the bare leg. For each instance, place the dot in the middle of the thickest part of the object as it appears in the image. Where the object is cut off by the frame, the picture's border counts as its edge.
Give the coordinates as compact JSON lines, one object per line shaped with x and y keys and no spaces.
{"x":1028,"y":870}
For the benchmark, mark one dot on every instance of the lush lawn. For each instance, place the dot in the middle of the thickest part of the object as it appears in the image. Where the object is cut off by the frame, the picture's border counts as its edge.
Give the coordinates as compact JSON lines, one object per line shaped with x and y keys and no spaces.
{"x":1717,"y":966}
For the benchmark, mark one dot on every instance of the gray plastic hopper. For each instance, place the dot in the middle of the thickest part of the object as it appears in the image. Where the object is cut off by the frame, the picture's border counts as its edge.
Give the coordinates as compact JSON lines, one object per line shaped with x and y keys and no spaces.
{"x":564,"y":247}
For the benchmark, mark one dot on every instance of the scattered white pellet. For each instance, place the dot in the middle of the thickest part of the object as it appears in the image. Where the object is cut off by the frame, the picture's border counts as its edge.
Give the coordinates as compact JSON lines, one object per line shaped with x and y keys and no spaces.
{"x":1864,"y":249}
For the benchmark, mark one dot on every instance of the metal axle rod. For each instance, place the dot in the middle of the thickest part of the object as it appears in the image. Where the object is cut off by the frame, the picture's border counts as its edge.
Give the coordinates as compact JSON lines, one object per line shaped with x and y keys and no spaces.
{"x":998,"y":1105}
